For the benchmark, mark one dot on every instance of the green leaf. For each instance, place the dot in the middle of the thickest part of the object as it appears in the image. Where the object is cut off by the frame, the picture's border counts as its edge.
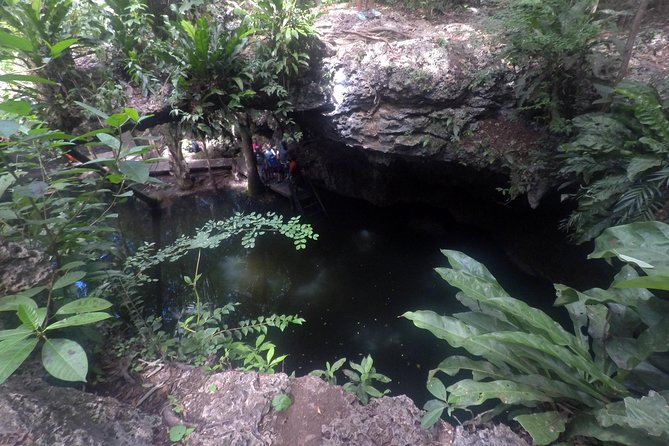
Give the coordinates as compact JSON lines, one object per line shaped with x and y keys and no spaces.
{"x":654,"y":282}
{"x":84,"y":305}
{"x":281,"y":402}
{"x":79,"y":319}
{"x":28,"y":316}
{"x":5,"y":182}
{"x":15,"y":42}
{"x":437,"y":388}
{"x":544,"y":427}
{"x":92,"y":110}
{"x":434,"y":409}
{"x":65,"y":359}
{"x":61,"y":46}
{"x":15,"y":334}
{"x":8,"y":128}
{"x":649,"y":414}
{"x":480,"y":369}
{"x":467,"y":393}
{"x":641,"y":164}
{"x":117,"y":120}
{"x":443,"y":327}
{"x":21,"y":108}
{"x":136,"y":171}
{"x":179,"y":432}
{"x":11,"y":303}
{"x":12,"y":355}
{"x":34,"y":189}
{"x":109,"y":140}
{"x":647,"y":242}
{"x":68,"y":279}
{"x":132,"y":113}
{"x":14,"y":78}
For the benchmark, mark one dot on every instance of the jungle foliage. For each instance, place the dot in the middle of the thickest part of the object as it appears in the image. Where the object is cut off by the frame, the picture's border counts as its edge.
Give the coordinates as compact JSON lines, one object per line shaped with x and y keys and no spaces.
{"x":67,"y":213}
{"x":618,"y":162}
{"x":607,"y":379}
{"x":549,"y":41}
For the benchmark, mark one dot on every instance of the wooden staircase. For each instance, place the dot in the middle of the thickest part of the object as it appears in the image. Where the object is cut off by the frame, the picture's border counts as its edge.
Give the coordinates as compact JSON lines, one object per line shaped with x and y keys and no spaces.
{"x":304,"y":198}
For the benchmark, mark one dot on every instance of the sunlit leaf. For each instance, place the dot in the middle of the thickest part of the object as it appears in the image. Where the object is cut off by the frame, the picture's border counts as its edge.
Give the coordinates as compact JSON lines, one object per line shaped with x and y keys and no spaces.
{"x":544,"y":427}
{"x":79,"y":319}
{"x":68,"y":279}
{"x":12,"y":355}
{"x":65,"y":359}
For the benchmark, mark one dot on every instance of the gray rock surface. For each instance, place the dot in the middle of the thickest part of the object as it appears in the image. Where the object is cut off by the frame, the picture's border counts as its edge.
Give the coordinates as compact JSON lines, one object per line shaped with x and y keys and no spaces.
{"x":15,"y":260}
{"x":35,"y":413}
{"x":229,"y":408}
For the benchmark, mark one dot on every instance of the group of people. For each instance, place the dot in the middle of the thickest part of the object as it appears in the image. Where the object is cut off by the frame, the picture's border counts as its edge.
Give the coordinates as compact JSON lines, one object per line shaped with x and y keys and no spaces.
{"x":274,"y":163}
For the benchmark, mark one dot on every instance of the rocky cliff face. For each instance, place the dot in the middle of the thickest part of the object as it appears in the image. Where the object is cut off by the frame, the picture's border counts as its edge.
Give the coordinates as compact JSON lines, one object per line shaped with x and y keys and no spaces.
{"x":397,"y":109}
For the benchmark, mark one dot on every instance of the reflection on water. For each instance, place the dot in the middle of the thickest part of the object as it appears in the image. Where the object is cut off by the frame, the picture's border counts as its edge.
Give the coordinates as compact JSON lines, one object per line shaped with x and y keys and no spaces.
{"x":368,"y":266}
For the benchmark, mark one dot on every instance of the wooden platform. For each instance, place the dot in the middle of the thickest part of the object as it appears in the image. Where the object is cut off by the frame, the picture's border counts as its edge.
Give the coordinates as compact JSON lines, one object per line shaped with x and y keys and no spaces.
{"x":163,"y":167}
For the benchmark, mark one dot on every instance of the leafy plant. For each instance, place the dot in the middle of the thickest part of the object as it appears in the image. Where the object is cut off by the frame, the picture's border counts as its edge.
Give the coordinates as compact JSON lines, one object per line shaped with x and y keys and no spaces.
{"x":550,"y":40}
{"x":328,"y":374}
{"x":607,"y":384}
{"x":619,"y":162}
{"x":362,"y":378}
{"x":207,"y":336}
{"x":179,"y":432}
{"x":47,"y":205}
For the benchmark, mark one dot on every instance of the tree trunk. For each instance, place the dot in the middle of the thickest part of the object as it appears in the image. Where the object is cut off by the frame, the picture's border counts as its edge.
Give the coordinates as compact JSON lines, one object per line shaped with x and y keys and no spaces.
{"x":254,"y":185}
{"x":634,"y":30}
{"x":179,"y":166}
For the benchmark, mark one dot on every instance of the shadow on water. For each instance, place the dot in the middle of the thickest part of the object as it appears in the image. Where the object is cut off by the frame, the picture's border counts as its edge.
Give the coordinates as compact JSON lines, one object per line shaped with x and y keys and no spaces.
{"x":368,"y":267}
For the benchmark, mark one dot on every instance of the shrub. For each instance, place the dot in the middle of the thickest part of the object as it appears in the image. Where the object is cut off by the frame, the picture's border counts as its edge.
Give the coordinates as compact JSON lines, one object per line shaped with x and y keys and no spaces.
{"x":607,"y":379}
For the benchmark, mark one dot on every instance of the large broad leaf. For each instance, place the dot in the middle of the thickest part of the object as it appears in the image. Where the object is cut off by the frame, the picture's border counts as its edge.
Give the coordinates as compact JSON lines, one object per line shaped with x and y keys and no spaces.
{"x":434,"y":409}
{"x":641,"y":164}
{"x":8,"y":127}
{"x":5,"y":182}
{"x":641,"y":243}
{"x":92,"y":110}
{"x":467,"y":393}
{"x":14,"y":78}
{"x":79,"y":319}
{"x":61,"y":46}
{"x":11,"y":303}
{"x":654,"y":282}
{"x":34,"y":189}
{"x":136,"y":171}
{"x":480,"y":369}
{"x":437,"y":388}
{"x":649,"y":413}
{"x":15,"y":42}
{"x":544,"y":427}
{"x":443,"y":327}
{"x":15,"y":334}
{"x":84,"y":305}
{"x":558,"y":359}
{"x":536,"y":321}
{"x":68,"y":279}
{"x":12,"y":355}
{"x":110,"y":141}
{"x":21,"y":108}
{"x":472,"y":277}
{"x":28,"y":316}
{"x":588,"y":426}
{"x":65,"y":359}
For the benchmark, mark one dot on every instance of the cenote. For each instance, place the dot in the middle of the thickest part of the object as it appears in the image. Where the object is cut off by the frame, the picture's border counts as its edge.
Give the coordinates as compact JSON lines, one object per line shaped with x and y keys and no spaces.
{"x":368,"y":267}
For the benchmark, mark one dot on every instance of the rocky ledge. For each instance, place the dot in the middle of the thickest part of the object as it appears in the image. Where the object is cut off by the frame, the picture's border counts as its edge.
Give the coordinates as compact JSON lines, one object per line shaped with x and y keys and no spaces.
{"x":228,"y":408}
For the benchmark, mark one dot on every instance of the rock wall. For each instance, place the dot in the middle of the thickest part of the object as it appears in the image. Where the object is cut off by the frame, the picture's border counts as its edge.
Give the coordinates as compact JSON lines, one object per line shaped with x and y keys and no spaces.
{"x":229,"y":408}
{"x":398,"y":108}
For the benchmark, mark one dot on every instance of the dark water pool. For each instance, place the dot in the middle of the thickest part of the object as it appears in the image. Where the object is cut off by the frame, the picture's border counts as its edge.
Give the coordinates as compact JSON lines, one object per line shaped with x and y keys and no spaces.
{"x":368,"y":267}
